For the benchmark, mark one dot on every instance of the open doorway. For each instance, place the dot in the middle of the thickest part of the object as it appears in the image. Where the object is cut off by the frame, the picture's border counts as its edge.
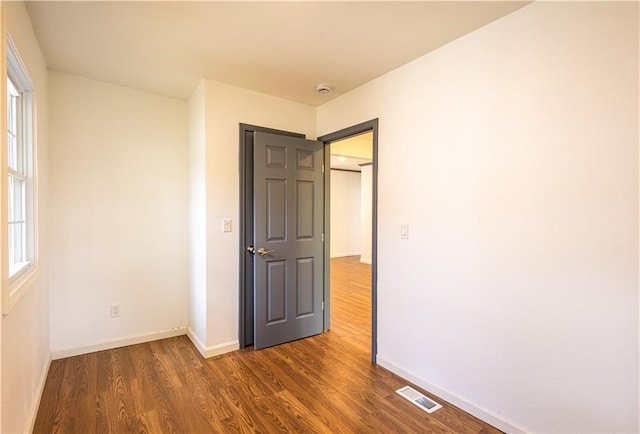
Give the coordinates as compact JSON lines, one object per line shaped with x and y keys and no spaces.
{"x":246,"y":275}
{"x":350,"y":241}
{"x":352,"y":182}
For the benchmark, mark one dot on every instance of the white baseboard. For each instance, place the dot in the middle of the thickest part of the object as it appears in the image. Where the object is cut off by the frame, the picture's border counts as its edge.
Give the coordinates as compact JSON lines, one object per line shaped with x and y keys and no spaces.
{"x":40,"y":389}
{"x":109,"y":345}
{"x":342,"y":255}
{"x":479,"y":412}
{"x":214,"y":350}
{"x":196,"y":342}
{"x":217,"y":350}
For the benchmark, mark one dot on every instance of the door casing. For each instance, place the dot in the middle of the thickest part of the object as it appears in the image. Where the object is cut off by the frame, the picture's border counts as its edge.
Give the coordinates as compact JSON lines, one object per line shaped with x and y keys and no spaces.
{"x":245,"y":317}
{"x":355,"y":130}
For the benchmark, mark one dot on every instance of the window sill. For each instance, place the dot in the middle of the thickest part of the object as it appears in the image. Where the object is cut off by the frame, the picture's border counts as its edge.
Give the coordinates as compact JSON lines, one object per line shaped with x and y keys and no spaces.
{"x":19,"y":285}
{"x":16,"y":271}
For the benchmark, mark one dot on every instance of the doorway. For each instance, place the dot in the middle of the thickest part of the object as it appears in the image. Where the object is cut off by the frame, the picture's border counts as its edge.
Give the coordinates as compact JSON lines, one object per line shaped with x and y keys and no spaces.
{"x":367,"y":131}
{"x":246,"y":272}
{"x":350,"y":237}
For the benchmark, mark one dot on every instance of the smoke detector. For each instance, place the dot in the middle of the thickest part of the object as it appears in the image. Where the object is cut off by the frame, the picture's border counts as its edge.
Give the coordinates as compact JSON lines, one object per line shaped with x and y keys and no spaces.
{"x":323,"y":88}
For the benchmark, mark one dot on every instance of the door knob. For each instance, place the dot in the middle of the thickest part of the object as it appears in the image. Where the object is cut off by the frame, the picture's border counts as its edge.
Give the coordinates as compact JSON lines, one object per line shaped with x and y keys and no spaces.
{"x":262,"y":251}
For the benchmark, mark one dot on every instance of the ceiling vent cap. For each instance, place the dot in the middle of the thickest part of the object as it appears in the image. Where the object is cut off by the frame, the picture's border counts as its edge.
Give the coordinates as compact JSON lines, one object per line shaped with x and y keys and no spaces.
{"x":323,"y":88}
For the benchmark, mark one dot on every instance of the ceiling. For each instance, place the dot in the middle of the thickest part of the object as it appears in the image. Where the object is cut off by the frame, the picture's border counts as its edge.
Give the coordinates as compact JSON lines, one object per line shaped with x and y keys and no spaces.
{"x":347,"y":163}
{"x":278,"y":48}
{"x":350,"y":153}
{"x":360,"y":146}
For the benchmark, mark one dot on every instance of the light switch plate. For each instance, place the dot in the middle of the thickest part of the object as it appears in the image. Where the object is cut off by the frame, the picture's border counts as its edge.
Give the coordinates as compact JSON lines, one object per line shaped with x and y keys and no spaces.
{"x":404,"y":231}
{"x":226,"y":225}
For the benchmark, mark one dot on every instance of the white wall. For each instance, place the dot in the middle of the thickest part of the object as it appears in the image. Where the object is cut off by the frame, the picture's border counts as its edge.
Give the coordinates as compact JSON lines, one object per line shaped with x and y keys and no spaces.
{"x":345,"y":213}
{"x":25,"y":330}
{"x":513,"y":155}
{"x":119,"y":201}
{"x":226,"y":107}
{"x":197,"y":220}
{"x":366,"y":214}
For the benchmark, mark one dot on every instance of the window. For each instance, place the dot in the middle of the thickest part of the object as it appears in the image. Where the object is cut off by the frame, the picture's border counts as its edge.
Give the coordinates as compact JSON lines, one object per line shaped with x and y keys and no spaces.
{"x":19,"y":220}
{"x":17,"y":181}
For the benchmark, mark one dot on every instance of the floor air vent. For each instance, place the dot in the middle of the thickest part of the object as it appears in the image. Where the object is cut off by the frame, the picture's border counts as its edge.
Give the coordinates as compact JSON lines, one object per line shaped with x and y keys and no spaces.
{"x":418,"y":399}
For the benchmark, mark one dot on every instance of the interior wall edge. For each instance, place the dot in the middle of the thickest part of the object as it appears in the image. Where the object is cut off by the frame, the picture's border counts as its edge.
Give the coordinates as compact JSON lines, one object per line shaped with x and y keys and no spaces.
{"x":193,"y":337}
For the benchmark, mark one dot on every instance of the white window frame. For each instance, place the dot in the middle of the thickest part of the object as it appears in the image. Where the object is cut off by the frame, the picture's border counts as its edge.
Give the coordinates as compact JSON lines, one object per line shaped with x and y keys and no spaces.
{"x":15,"y":285}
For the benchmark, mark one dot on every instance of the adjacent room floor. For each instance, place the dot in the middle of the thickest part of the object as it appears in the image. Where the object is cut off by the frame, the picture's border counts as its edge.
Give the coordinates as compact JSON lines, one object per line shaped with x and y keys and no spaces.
{"x":323,"y":384}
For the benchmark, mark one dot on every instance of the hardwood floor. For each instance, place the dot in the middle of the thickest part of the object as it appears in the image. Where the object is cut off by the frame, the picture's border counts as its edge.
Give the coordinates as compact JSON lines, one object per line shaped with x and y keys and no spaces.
{"x":323,"y":384}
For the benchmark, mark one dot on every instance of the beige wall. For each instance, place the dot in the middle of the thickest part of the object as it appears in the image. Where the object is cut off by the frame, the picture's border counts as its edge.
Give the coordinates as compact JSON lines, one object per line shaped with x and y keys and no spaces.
{"x":366,"y":214}
{"x":25,"y":330}
{"x":225,"y":108}
{"x":345,"y":214}
{"x":197,"y":219}
{"x":119,"y":215}
{"x":521,"y":193}
{"x":512,"y":153}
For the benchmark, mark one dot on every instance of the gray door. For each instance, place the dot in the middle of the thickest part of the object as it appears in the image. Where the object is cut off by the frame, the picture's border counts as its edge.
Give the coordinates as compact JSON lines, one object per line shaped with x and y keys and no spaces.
{"x":288,"y":191}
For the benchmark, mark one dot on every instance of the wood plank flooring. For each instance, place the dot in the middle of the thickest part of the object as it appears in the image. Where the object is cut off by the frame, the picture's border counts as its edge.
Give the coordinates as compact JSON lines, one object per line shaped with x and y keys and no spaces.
{"x":323,"y":384}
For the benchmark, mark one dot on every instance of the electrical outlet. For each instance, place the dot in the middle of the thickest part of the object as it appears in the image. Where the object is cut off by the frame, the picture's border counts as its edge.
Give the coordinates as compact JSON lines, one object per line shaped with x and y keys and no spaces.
{"x":115,"y":310}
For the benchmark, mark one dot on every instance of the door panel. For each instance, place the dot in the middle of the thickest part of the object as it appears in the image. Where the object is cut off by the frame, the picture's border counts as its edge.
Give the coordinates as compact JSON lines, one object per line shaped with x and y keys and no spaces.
{"x":304,"y":214}
{"x":288,"y":204}
{"x":304,"y":287}
{"x":276,"y":291}
{"x":276,"y":214}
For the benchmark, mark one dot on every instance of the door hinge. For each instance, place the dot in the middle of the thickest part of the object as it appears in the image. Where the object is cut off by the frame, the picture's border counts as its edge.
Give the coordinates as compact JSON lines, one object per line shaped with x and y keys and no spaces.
{"x":323,"y":168}
{"x":323,"y":305}
{"x":323,"y":237}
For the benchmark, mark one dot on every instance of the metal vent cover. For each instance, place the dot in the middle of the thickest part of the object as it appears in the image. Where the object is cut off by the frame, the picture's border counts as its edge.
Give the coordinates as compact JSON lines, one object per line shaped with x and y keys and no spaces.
{"x":418,"y":399}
